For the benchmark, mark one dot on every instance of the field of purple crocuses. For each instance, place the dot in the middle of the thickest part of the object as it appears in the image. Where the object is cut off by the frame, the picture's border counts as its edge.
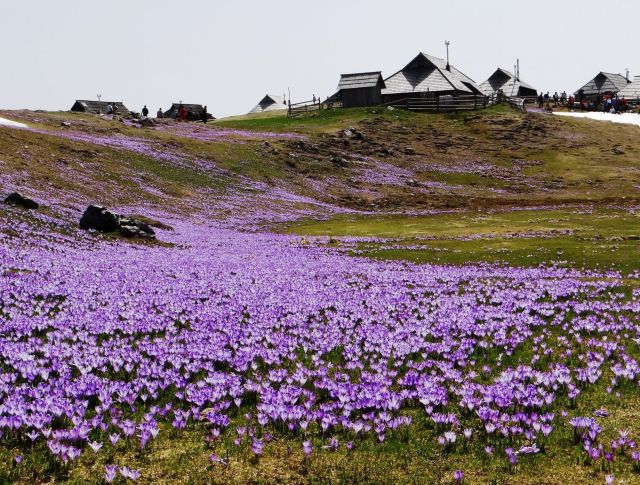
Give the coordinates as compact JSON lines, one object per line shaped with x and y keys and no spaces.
{"x":251,"y":339}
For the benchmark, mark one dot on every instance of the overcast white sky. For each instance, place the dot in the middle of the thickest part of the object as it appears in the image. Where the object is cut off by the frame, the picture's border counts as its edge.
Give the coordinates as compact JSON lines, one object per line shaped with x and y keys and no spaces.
{"x":228,"y":54}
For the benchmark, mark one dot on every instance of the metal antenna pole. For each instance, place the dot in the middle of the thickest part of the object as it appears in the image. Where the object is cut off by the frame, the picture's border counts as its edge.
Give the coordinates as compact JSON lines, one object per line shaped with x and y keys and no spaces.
{"x":447,"y":43}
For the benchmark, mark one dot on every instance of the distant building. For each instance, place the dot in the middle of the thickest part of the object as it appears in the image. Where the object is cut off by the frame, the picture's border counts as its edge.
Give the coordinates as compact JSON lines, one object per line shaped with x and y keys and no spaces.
{"x":510,"y":84}
{"x":99,"y":107}
{"x":428,"y":76}
{"x":193,"y":111}
{"x":604,"y":83}
{"x":632,"y":91}
{"x":361,"y":89}
{"x":270,"y":103}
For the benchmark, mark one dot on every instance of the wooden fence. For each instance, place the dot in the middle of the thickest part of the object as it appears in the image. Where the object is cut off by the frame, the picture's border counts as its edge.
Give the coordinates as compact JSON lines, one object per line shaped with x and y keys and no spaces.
{"x":305,"y":107}
{"x":437,"y":104}
{"x":441,"y":104}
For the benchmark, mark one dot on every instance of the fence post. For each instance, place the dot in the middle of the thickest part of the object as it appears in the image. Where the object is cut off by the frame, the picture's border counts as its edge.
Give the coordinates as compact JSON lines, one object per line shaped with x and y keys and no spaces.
{"x":406,"y":103}
{"x":437,"y":104}
{"x":475,"y":101}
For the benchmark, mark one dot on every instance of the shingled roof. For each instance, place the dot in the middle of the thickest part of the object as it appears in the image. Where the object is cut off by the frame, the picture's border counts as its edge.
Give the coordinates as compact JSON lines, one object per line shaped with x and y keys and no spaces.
{"x":360,"y":80}
{"x":506,"y":81}
{"x":427,"y":73}
{"x":632,"y":90}
{"x":270,"y":102}
{"x":605,"y":82}
{"x":95,"y":107}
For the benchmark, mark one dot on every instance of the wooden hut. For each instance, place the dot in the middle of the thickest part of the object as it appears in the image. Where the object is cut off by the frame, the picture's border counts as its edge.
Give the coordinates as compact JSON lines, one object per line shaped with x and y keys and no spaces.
{"x":510,"y":84}
{"x":428,"y":76}
{"x":270,"y":103}
{"x":99,"y":107}
{"x":604,"y":84}
{"x":631,"y":92}
{"x":193,"y":111}
{"x":361,"y":89}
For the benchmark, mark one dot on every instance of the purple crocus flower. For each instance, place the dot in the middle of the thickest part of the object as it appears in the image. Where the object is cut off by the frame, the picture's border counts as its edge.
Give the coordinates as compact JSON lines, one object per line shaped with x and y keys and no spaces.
{"x":130,"y":474}
{"x":214,"y":458}
{"x":110,"y":472}
{"x":307,"y":447}
{"x":95,"y":446}
{"x":257,"y":447}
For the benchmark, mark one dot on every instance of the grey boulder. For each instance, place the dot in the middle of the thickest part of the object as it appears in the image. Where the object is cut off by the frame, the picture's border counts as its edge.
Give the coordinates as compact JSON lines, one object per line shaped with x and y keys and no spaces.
{"x":102,"y":220}
{"x":16,"y":199}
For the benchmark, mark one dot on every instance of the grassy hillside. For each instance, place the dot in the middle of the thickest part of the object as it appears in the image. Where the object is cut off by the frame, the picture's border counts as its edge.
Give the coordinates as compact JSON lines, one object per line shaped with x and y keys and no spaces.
{"x":404,"y":160}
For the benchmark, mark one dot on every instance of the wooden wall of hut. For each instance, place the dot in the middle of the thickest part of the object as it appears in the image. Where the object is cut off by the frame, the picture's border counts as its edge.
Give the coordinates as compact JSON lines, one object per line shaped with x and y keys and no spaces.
{"x":362,"y":97}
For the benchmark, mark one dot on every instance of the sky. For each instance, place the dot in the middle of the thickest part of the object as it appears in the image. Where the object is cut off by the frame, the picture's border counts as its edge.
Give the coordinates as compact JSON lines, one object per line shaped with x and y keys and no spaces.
{"x":229,"y":54}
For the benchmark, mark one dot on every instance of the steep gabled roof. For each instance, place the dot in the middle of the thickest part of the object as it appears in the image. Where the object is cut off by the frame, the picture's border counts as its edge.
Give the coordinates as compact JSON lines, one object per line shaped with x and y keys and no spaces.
{"x":270,"y":102}
{"x":275,"y":98}
{"x":427,"y":73}
{"x":605,"y":82}
{"x":632,"y":90}
{"x":506,"y":81}
{"x":95,"y":107}
{"x":361,"y":80}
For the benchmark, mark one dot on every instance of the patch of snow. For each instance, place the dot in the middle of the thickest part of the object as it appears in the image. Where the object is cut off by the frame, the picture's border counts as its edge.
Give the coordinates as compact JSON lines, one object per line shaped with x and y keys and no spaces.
{"x":12,"y":124}
{"x":626,"y":118}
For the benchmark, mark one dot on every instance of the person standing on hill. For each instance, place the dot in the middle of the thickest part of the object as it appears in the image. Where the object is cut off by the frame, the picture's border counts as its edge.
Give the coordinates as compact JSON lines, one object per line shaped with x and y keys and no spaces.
{"x":159,"y":114}
{"x":204,"y":116}
{"x":145,"y":111}
{"x":541,"y":101}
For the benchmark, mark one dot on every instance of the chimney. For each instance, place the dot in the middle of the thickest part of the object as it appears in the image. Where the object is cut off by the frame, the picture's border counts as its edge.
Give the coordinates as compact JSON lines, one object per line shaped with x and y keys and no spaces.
{"x":628,"y":80}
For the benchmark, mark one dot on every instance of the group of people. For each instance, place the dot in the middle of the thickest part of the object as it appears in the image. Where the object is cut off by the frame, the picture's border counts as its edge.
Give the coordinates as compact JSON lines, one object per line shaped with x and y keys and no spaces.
{"x":612,"y":103}
{"x":182,"y":113}
{"x":558,"y":99}
{"x":608,"y":102}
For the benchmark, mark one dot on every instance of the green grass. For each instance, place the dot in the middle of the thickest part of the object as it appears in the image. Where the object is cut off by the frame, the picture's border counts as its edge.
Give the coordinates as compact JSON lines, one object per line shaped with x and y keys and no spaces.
{"x":604,"y":239}
{"x":313,"y":122}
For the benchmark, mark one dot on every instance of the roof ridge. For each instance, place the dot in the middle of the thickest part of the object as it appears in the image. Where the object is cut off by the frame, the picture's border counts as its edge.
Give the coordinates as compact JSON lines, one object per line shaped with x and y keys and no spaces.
{"x":360,"y":73}
{"x":613,"y":74}
{"x":433,"y":57}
